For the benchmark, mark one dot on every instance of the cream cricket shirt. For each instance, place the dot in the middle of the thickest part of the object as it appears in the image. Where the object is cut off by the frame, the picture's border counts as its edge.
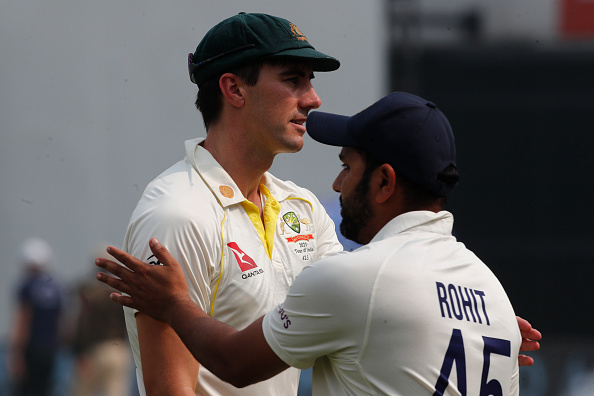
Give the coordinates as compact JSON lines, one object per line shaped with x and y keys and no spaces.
{"x":412,"y":313}
{"x":237,"y":268}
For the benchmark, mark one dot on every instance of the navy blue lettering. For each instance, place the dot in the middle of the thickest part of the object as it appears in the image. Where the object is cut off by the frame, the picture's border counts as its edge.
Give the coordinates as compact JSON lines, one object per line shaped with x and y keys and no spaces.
{"x":481,"y":295}
{"x":443,"y":299}
{"x":454,"y":355}
{"x":466,"y":303}
{"x":462,"y":302}
{"x":476,"y":306}
{"x":458,"y":314}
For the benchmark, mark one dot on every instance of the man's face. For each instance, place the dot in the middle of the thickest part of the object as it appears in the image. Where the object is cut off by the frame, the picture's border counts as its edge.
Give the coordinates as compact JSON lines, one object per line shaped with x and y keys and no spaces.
{"x":277,"y":107}
{"x":353,"y":187}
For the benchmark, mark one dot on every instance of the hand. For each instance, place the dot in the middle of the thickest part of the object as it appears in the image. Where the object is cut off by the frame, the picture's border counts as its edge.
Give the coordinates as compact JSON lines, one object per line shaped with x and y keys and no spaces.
{"x":530,"y":339}
{"x":152,"y":289}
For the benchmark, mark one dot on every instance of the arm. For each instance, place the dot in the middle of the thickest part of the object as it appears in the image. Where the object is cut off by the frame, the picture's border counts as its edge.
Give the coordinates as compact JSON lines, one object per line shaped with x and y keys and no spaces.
{"x":168,"y":368}
{"x":167,"y":365}
{"x":238,"y":357}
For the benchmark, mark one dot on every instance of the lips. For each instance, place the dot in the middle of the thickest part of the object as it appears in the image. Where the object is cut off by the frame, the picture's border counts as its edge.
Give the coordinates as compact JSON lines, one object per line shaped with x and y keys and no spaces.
{"x":299,"y":124}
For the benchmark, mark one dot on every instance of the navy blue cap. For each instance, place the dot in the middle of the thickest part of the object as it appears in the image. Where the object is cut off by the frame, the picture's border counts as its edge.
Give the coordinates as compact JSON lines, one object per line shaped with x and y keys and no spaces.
{"x":404,"y":130}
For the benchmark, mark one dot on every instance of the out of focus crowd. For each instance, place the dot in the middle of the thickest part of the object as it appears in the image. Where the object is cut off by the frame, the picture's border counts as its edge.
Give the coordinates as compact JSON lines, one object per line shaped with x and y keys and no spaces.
{"x":64,"y":339}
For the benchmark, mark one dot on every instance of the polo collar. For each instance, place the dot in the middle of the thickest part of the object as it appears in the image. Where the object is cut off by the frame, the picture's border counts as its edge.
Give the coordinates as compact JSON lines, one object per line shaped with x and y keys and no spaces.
{"x":417,"y":221}
{"x":219,"y":181}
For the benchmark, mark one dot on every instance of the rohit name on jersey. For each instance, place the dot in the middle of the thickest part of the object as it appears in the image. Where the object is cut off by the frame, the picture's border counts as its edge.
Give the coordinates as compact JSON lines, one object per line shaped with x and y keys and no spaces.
{"x":460,"y":301}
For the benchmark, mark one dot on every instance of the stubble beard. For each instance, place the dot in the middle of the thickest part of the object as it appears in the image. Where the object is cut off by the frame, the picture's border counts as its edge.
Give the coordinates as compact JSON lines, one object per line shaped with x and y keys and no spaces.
{"x":356,"y":213}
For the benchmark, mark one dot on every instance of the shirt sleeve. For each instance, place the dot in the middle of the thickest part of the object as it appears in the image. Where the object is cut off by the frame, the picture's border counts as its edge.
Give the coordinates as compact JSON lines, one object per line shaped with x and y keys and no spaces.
{"x":189,"y":237}
{"x":322,"y":314}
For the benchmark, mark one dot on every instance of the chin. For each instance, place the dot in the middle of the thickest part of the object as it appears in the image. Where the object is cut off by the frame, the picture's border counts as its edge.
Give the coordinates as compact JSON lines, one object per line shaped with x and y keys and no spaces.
{"x":295,"y":145}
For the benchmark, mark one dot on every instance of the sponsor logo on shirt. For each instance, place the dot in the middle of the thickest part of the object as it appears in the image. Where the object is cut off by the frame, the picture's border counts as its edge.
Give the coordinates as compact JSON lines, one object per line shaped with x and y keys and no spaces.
{"x":152,"y":260}
{"x":226,"y":191}
{"x":245,"y":262}
{"x":284,"y":317}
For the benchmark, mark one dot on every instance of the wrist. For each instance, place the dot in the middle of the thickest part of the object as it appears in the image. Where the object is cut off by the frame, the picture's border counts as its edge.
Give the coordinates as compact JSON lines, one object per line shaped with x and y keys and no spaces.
{"x":182,"y":310}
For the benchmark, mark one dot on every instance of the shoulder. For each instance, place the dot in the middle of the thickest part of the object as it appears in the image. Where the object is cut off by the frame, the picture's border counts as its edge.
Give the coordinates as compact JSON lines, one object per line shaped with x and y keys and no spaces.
{"x":284,"y":190}
{"x":176,"y":192}
{"x":342,"y":273}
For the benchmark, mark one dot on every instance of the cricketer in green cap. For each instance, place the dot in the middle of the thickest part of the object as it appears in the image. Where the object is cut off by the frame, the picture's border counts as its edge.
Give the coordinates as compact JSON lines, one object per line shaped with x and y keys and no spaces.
{"x":245,"y":38}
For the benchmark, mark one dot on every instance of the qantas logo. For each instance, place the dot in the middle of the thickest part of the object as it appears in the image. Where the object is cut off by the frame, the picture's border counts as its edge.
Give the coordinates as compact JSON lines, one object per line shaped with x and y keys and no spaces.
{"x":245,"y":262}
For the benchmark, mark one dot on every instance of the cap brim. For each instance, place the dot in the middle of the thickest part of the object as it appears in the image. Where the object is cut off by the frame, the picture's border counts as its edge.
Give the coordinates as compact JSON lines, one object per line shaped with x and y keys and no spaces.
{"x":331,"y":129}
{"x":318,"y":60}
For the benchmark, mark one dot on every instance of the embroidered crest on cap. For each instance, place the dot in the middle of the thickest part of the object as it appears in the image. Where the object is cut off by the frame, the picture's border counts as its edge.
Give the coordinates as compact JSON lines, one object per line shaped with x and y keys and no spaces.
{"x":297,"y":33}
{"x":226,"y":191}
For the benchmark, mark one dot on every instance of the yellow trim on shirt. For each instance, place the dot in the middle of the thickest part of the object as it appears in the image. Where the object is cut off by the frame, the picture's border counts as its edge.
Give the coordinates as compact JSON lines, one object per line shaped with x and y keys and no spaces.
{"x":271,"y":210}
{"x":214,"y":295}
{"x":303,"y":199}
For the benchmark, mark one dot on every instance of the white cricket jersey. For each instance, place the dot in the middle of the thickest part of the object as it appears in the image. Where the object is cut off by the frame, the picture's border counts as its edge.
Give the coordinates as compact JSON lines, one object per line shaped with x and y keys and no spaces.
{"x":414,"y":312}
{"x":237,"y":269}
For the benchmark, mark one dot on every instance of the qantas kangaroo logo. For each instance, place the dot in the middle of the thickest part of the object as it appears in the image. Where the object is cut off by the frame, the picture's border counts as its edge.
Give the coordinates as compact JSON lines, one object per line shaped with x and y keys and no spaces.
{"x":245,"y":262}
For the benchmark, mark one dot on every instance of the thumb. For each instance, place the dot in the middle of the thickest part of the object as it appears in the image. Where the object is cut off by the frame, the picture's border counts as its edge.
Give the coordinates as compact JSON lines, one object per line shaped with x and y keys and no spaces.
{"x":162,"y":254}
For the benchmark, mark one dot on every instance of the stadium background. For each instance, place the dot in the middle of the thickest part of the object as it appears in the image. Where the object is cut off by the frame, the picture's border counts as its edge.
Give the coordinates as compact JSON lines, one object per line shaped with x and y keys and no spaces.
{"x":95,"y":101}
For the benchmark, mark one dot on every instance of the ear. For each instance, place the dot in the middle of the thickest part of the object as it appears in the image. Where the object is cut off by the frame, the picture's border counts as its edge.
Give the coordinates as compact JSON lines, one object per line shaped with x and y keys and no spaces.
{"x":386,"y":183}
{"x":232,"y":89}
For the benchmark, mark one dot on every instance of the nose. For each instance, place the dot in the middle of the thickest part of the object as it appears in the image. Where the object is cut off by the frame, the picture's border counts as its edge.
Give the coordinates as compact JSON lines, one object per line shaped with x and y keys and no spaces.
{"x":336,"y":186}
{"x":310,"y":99}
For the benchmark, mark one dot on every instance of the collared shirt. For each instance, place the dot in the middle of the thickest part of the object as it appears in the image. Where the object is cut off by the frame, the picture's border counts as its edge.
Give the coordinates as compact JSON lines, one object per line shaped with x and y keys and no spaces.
{"x":414,"y":312}
{"x":237,"y":267}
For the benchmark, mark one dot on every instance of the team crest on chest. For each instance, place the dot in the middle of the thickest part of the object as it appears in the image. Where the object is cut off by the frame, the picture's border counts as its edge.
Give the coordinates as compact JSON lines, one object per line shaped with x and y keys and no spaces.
{"x":291,"y":219}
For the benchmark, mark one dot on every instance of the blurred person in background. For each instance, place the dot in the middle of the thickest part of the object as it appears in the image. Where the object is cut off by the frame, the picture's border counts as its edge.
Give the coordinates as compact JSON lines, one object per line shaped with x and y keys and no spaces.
{"x":34,"y":337}
{"x":100,"y":346}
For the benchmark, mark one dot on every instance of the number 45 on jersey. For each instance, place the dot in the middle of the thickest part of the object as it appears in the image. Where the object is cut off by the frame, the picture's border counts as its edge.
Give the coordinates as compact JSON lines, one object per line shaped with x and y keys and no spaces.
{"x":455,"y":354}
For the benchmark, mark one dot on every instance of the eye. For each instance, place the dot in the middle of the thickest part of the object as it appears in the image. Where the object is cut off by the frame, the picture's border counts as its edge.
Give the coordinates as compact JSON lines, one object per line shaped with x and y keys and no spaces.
{"x":293,"y":80}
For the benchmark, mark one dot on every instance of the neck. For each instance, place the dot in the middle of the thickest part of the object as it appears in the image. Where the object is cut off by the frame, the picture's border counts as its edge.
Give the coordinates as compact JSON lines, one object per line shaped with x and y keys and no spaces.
{"x":232,"y":151}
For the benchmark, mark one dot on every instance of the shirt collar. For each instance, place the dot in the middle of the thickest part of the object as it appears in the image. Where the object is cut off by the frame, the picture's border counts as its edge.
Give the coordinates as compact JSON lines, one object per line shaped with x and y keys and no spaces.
{"x":219,"y":181}
{"x":417,"y":221}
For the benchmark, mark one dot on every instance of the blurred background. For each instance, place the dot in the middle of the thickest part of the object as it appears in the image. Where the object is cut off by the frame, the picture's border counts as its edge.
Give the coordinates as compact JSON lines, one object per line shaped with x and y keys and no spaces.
{"x":95,"y":101}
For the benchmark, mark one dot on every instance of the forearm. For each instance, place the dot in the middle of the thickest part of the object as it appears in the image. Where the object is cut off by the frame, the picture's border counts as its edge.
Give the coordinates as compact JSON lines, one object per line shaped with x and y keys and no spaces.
{"x":207,"y":339}
{"x":240,"y":358}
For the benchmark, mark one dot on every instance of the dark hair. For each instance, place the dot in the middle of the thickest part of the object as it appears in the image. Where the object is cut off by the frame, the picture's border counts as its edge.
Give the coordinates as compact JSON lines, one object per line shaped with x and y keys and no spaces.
{"x":209,"y":97}
{"x":417,"y":197}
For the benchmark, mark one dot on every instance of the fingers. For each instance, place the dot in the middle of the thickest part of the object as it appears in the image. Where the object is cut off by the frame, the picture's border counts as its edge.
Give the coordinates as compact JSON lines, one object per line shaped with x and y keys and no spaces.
{"x":524,"y":360}
{"x":128,"y":260}
{"x":113,"y":282}
{"x":529,"y":345}
{"x":533,"y":334}
{"x":123,"y":300}
{"x":115,"y":268}
{"x":161,"y":253}
{"x":527,"y":331}
{"x":523,"y":324}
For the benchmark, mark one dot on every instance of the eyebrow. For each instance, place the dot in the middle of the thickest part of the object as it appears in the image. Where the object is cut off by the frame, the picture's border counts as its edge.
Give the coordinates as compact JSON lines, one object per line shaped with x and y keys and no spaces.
{"x":296,"y":71}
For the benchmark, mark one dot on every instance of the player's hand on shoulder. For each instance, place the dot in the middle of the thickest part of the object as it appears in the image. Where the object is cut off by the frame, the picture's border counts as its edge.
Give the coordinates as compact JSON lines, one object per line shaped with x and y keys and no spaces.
{"x":151,"y":289}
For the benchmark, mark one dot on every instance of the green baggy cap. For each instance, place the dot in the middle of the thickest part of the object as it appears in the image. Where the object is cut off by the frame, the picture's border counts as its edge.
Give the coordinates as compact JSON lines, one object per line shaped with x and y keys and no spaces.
{"x":245,"y":38}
